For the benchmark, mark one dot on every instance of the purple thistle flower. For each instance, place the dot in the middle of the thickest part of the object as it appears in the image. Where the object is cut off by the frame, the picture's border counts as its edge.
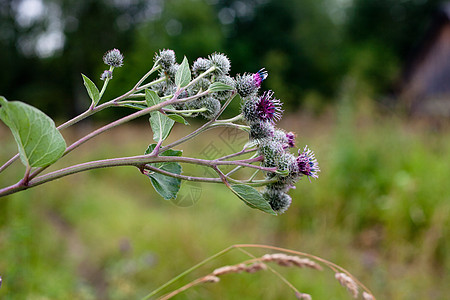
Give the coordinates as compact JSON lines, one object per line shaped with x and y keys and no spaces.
{"x":268,"y":108}
{"x":307,"y":163}
{"x":259,"y":76}
{"x":290,"y":139}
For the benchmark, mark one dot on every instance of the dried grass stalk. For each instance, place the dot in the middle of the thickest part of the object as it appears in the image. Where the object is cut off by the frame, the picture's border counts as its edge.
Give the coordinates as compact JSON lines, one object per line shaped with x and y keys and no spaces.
{"x":255,"y":267}
{"x":211,"y":279}
{"x":303,"y":296}
{"x":367,"y":296}
{"x":349,"y":283}
{"x":290,"y":260}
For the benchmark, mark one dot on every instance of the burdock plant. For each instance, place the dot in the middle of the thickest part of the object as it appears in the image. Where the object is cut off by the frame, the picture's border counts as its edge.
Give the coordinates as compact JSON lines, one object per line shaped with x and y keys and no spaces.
{"x":176,"y":92}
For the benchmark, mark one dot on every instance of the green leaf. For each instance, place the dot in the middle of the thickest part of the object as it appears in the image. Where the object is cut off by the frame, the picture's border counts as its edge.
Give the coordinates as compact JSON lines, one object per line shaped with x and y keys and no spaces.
{"x":252,"y":198}
{"x":166,"y":186}
{"x":91,"y":89}
{"x":178,"y":118}
{"x":40,"y":143}
{"x":161,"y":124}
{"x":183,"y":75}
{"x":219,"y":87}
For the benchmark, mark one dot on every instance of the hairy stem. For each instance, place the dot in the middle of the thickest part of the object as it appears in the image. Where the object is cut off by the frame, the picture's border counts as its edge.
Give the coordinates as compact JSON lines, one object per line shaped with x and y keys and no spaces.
{"x":136,"y":161}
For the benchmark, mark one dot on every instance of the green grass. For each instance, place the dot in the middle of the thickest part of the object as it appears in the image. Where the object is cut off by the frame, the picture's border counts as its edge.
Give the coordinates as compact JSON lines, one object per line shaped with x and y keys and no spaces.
{"x":380,"y":209}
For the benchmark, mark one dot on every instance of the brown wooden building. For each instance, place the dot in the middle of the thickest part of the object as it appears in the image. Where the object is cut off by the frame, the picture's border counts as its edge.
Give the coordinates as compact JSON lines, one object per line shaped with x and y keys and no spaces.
{"x":425,"y":84}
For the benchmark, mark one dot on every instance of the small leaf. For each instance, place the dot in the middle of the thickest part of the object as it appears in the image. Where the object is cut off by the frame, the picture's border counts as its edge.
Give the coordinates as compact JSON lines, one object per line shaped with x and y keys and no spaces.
{"x":40,"y":143}
{"x":183,"y":75}
{"x":178,"y":118}
{"x":161,"y":124}
{"x":219,"y":87}
{"x":252,"y":198}
{"x":166,"y":186}
{"x":152,"y":98}
{"x":91,"y":89}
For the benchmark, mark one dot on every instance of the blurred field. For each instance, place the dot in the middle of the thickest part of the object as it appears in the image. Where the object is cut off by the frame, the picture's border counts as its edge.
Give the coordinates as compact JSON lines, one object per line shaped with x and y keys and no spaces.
{"x":380,"y":209}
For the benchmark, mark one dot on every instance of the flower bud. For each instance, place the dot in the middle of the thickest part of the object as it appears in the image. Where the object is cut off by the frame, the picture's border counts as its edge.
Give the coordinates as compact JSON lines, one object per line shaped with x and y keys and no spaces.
{"x":166,"y":58}
{"x":221,"y":62}
{"x":212,"y":105}
{"x":113,"y":58}
{"x":107,"y":74}
{"x":278,"y":200}
{"x":249,"y":84}
{"x":261,"y":130}
{"x":200,"y":65}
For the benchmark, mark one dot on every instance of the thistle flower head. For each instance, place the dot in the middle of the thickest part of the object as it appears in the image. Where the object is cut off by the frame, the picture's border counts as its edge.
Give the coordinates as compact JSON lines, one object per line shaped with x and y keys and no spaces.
{"x":259,"y":76}
{"x":272,"y":151}
{"x":245,"y":85}
{"x":268,"y":108}
{"x":113,"y":58}
{"x":107,"y":74}
{"x":290,"y":139}
{"x":261,"y":130}
{"x":284,"y":138}
{"x":278,"y":200}
{"x":248,"y":109}
{"x":200,"y":65}
{"x":170,"y":72}
{"x":307,"y":163}
{"x":221,"y":62}
{"x":287,"y":172}
{"x":212,"y":105}
{"x":166,"y":58}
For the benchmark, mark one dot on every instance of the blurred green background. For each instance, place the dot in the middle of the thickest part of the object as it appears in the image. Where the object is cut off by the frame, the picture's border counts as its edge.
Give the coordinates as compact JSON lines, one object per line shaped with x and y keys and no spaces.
{"x":380,"y":207}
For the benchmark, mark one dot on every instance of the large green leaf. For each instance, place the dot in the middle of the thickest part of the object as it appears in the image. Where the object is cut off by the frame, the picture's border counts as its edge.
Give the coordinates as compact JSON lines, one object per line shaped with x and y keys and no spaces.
{"x":161,"y":124}
{"x":252,"y":198}
{"x":166,"y":186}
{"x":40,"y":143}
{"x":92,"y":89}
{"x":183,"y":75}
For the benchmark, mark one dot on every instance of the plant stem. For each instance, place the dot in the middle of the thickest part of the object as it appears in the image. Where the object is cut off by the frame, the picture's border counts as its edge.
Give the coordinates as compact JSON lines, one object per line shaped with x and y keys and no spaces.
{"x":184,"y":111}
{"x":243,"y":151}
{"x":232,"y":125}
{"x":155,"y":67}
{"x":105,"y":84}
{"x":123,"y":161}
{"x":117,"y":123}
{"x":211,"y":69}
{"x":182,"y":177}
{"x":234,"y":119}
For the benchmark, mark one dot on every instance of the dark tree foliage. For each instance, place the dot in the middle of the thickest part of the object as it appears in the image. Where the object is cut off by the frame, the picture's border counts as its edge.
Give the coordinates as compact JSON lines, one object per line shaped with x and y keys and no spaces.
{"x":305,"y":50}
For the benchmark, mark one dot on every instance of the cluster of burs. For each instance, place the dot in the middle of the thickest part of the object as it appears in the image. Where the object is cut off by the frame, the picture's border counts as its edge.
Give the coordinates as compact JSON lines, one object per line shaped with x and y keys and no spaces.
{"x":259,"y":110}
